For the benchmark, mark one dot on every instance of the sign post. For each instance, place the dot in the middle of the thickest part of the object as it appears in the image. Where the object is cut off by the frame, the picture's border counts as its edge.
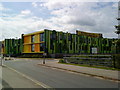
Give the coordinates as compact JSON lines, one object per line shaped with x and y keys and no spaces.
{"x":44,"y":54}
{"x":2,"y":59}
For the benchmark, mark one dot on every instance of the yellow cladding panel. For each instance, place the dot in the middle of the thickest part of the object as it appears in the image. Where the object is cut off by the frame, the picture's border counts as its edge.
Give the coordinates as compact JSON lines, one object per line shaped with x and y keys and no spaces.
{"x":37,"y":39}
{"x":27,"y":39}
{"x":27,"y":48}
{"x":28,"y":43}
{"x":33,"y":33}
{"x":89,"y":34}
{"x":37,"y":47}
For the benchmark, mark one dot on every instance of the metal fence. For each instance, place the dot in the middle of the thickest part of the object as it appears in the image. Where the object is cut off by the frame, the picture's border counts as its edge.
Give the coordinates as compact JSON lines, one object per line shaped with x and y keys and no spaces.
{"x":92,"y":60}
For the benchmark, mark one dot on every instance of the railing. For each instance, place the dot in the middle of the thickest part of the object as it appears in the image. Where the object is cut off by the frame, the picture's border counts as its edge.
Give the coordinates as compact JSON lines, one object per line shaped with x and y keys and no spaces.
{"x":92,"y":60}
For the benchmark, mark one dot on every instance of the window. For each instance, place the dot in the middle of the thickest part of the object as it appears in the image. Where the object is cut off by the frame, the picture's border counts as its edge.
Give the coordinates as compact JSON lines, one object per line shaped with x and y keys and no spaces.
{"x":104,"y":41}
{"x":54,"y":37}
{"x":41,"y":36}
{"x":65,"y":36}
{"x":32,"y":38}
{"x":70,"y":38}
{"x":110,"y":43}
{"x":61,"y":37}
{"x":71,"y":46}
{"x":51,"y":45}
{"x":89,"y":40}
{"x":81,"y":39}
{"x":41,"y":46}
{"x":32,"y":47}
{"x":51,"y":36}
{"x":76,"y":39}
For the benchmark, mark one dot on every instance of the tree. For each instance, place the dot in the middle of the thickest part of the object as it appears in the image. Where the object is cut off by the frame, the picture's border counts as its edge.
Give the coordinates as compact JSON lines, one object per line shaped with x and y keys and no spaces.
{"x":118,"y":26}
{"x":118,"y":29}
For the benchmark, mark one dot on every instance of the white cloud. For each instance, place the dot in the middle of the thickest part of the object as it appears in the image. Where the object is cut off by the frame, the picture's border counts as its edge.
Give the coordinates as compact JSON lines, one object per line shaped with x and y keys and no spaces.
{"x":2,"y":8}
{"x":93,"y":17}
{"x":25,"y":12}
{"x":66,"y":17}
{"x":12,"y":27}
{"x":34,"y":4}
{"x":59,"y":0}
{"x":115,"y":5}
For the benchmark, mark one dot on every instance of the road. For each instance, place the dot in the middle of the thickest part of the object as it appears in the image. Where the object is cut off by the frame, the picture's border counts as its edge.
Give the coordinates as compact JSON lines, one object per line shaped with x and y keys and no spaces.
{"x":57,"y":78}
{"x":11,"y":79}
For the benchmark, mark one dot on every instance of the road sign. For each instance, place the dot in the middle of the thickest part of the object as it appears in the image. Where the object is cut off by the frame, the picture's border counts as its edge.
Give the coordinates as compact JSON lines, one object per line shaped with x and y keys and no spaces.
{"x":94,"y":50}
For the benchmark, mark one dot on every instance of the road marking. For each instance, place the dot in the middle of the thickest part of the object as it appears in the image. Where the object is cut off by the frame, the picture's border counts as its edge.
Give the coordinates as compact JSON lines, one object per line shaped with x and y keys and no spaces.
{"x":33,"y":80}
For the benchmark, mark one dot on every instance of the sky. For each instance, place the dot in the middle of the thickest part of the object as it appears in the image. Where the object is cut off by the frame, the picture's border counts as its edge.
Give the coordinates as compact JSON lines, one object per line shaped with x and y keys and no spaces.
{"x":18,"y":18}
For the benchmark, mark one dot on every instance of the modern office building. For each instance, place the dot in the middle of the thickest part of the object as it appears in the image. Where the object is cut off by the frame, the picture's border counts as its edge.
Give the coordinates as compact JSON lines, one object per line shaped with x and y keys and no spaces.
{"x":56,"y":43}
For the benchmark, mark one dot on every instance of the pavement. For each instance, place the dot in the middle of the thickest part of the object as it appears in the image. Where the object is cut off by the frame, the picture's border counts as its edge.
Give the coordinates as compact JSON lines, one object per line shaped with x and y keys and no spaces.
{"x":0,"y":77}
{"x":102,"y":73}
{"x":12,"y":79}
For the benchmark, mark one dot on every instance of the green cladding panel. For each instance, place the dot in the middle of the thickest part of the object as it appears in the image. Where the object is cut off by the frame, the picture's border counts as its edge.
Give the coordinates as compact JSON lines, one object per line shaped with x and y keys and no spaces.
{"x":60,"y":42}
{"x":13,"y":46}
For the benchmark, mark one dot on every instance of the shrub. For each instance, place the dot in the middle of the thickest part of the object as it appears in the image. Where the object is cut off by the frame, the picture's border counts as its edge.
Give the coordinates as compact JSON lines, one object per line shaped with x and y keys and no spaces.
{"x":116,"y":58}
{"x":61,"y":61}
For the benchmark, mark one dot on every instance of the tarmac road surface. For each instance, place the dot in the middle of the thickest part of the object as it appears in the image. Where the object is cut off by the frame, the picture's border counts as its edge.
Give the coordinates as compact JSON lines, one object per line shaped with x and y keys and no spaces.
{"x":57,"y":78}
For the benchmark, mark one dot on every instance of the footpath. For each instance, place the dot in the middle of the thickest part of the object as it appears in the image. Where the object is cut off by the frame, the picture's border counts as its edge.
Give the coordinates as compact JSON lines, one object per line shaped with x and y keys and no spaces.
{"x":11,"y":79}
{"x":95,"y":72}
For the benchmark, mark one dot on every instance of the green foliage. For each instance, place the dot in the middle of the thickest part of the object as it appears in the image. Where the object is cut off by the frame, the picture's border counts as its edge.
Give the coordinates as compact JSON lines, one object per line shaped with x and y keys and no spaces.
{"x":61,"y":61}
{"x":116,"y":58}
{"x":118,"y":29}
{"x":31,"y":56}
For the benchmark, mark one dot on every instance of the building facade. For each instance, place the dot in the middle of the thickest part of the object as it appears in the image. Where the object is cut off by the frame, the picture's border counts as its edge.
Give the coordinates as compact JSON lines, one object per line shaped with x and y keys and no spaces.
{"x":33,"y":42}
{"x":58,"y":43}
{"x":55,"y":43}
{"x":12,"y":47}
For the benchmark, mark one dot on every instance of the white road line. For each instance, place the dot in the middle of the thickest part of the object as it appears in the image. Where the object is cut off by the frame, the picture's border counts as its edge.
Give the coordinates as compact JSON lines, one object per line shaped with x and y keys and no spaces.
{"x":33,"y":80}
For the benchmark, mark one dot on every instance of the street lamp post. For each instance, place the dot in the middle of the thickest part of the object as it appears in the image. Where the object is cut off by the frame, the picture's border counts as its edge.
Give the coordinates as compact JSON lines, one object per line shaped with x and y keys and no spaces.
{"x":1,"y":53}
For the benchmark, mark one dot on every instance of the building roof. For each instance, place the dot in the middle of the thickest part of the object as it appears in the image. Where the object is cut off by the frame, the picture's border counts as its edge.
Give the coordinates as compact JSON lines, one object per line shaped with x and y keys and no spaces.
{"x":34,"y":33}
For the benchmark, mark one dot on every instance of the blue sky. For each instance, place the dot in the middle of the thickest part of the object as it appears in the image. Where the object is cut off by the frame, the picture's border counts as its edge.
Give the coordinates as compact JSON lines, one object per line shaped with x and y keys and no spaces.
{"x":17,"y":7}
{"x":26,"y":17}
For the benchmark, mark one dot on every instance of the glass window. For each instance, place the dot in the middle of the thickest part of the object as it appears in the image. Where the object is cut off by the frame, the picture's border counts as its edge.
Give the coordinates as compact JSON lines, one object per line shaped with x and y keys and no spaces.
{"x":32,"y":38}
{"x":41,"y":46}
{"x":41,"y":36}
{"x":54,"y":36}
{"x":61,"y":37}
{"x":71,"y":46}
{"x":51,"y":45}
{"x":70,"y":37}
{"x":51,"y":36}
{"x":89,"y":40}
{"x":32,"y":47}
